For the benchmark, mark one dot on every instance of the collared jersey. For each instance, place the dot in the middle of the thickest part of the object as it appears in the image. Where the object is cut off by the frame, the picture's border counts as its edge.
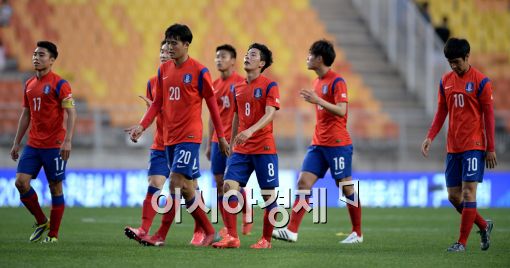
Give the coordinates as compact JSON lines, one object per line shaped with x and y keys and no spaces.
{"x":251,"y":100}
{"x":224,"y":92}
{"x":330,"y":129}
{"x":43,"y":97}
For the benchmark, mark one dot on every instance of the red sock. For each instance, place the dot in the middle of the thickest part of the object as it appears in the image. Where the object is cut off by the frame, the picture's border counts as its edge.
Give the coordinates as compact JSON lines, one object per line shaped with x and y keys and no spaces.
{"x":231,"y":218}
{"x":57,"y":211}
{"x":148,"y":213}
{"x":466,"y":224}
{"x":200,"y":218}
{"x":355,"y":215}
{"x":168,"y":218}
{"x":479,"y":220}
{"x":222,"y":210}
{"x":297,"y":217}
{"x":31,"y":202}
{"x":244,"y":209}
{"x":198,"y":227}
{"x":267,"y":228}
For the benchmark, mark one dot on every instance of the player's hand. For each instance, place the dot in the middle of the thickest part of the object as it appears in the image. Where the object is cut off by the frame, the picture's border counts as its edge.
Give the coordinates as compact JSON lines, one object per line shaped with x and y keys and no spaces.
{"x":425,"y":147}
{"x":134,"y":132}
{"x":65,"y":150}
{"x":147,"y":101}
{"x":243,"y":136}
{"x":224,"y":146}
{"x":14,"y":151}
{"x":490,"y":160}
{"x":208,"y":151}
{"x":309,"y":96}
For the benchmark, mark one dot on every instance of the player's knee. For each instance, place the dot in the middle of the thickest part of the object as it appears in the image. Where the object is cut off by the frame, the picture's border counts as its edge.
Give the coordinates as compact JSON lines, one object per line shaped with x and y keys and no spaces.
{"x":56,"y":188}
{"x":468,"y":194}
{"x":455,"y":199}
{"x":304,"y":185}
{"x":22,"y":185}
{"x":348,"y":190}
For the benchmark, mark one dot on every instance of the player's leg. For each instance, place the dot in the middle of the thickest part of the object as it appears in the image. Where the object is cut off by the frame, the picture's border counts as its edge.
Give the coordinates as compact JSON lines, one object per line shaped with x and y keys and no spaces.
{"x":314,"y":167}
{"x":354,"y":209}
{"x":157,"y":173}
{"x":247,"y":213}
{"x":266,"y":168}
{"x":198,"y":231}
{"x":54,"y":168}
{"x":218,"y":166}
{"x":472,"y":173}
{"x":237,"y":174}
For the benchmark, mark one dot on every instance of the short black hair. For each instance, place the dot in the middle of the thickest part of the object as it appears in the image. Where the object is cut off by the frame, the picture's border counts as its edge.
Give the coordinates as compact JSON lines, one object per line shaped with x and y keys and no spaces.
{"x":228,"y":48}
{"x":52,"y":48}
{"x":180,"y":32}
{"x":325,"y":49}
{"x":162,"y":43}
{"x":456,"y":48}
{"x":265,"y":54}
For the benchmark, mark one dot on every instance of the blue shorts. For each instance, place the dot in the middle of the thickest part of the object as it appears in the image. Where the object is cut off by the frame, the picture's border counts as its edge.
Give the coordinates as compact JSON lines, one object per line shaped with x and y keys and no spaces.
{"x":338,"y":159}
{"x":218,"y":160}
{"x":158,"y":164}
{"x":183,"y":159}
{"x":32,"y":159}
{"x":466,"y":166}
{"x":240,"y":167}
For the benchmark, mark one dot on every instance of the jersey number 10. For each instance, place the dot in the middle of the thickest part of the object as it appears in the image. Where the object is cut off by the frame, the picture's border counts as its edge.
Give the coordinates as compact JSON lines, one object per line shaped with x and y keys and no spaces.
{"x":458,"y":100}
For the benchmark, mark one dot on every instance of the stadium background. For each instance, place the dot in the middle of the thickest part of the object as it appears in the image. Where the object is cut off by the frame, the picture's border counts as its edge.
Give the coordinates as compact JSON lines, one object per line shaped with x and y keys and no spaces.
{"x":386,"y":51}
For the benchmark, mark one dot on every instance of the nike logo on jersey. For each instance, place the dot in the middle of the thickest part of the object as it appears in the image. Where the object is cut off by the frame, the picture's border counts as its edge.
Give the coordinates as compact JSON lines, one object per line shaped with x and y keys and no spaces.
{"x":165,"y":77}
{"x":470,"y":174}
{"x":180,"y":166}
{"x":338,"y":173}
{"x":448,"y":87}
{"x":270,"y":180}
{"x":58,"y":174}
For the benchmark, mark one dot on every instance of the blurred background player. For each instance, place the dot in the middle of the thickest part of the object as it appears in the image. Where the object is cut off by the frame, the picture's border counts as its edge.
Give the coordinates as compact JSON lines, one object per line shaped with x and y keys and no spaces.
{"x":331,"y":145}
{"x":181,"y":86}
{"x":465,"y":95}
{"x":256,"y":101}
{"x":47,"y":96}
{"x":158,"y":164}
{"x":224,"y":91}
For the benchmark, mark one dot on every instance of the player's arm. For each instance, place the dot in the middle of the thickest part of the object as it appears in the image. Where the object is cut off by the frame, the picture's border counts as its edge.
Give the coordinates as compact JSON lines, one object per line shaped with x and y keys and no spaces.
{"x":23,"y":123}
{"x":68,"y":105}
{"x":210,"y":131}
{"x":135,"y":132}
{"x":339,"y":108}
{"x":487,"y":101}
{"x":269,"y":114}
{"x":437,"y":123}
{"x":235,"y":126}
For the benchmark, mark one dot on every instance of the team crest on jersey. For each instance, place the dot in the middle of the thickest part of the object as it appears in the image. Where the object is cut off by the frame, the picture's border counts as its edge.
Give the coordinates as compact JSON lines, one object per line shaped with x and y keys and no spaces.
{"x":258,"y":93}
{"x":470,"y":86}
{"x":232,"y":87}
{"x":46,"y":89}
{"x":187,"y":78}
{"x":324,"y":89}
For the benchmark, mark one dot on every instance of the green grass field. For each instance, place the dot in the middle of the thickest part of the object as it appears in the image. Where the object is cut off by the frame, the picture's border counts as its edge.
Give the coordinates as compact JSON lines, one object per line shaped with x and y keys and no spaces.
{"x":393,"y":237}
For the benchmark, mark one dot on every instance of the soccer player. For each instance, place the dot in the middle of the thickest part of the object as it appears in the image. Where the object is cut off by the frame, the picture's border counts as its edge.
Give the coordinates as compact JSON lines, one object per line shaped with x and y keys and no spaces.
{"x":224,"y":92}
{"x":46,"y":98}
{"x":158,"y":164}
{"x":255,"y":103}
{"x":465,"y":95}
{"x":181,"y":85}
{"x":331,"y":145}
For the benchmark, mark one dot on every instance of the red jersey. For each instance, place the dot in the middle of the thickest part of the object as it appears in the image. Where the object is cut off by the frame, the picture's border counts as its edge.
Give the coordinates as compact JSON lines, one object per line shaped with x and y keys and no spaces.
{"x":179,"y":93}
{"x":158,"y":143}
{"x":464,"y":96}
{"x":224,"y":92}
{"x":43,"y":97}
{"x":331,"y":130}
{"x":250,"y":105}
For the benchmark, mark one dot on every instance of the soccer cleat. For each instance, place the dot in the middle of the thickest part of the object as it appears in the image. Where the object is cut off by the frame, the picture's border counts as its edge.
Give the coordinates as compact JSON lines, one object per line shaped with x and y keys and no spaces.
{"x":50,"y":239}
{"x":285,"y":235}
{"x":456,"y":247}
{"x":39,"y":231}
{"x":353,"y":238}
{"x":197,"y":238}
{"x":154,"y":241}
{"x":485,"y":235}
{"x":223,"y":232}
{"x":134,"y":233}
{"x":228,"y":241}
{"x":262,"y":243}
{"x":247,"y":228}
